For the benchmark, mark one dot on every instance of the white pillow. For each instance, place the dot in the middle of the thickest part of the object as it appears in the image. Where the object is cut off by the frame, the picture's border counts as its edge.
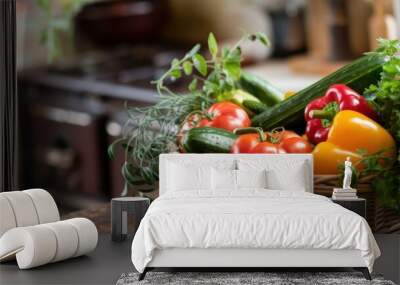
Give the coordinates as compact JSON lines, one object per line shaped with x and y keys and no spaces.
{"x":183,"y":177}
{"x":223,"y":179}
{"x":292,"y":180}
{"x":281,"y":174}
{"x":251,"y":178}
{"x":226,"y":179}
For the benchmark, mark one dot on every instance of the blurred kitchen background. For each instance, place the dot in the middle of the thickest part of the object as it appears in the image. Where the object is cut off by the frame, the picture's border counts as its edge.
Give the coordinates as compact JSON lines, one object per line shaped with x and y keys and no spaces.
{"x":81,"y":61}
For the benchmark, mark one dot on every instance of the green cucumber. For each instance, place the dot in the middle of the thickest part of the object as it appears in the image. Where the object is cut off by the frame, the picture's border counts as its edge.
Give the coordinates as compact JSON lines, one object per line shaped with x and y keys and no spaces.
{"x":237,"y":97}
{"x":255,"y":107}
{"x":208,"y":140}
{"x":262,"y":89}
{"x":358,"y":75}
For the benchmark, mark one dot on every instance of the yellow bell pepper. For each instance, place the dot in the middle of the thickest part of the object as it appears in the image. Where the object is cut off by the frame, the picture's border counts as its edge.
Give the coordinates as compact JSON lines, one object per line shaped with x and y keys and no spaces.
{"x":351,"y":131}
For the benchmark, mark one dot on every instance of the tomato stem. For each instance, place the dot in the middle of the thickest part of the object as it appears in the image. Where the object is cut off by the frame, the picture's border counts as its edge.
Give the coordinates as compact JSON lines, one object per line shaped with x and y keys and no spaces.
{"x":191,"y":114}
{"x":273,"y":138}
{"x":251,"y":130}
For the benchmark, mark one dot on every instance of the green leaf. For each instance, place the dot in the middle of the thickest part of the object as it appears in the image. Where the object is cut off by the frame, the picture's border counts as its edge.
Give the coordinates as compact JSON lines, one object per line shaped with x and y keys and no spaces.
{"x":175,"y":63}
{"x":130,"y":174}
{"x":212,"y":45}
{"x":111,"y":148}
{"x":233,"y":69}
{"x":225,"y":52}
{"x":262,"y":38}
{"x":146,"y":189}
{"x":187,"y":67}
{"x":231,"y":63}
{"x":147,"y":174}
{"x":200,"y":64}
{"x":193,"y":51}
{"x":235,"y":55}
{"x":193,"y":85}
{"x":175,"y":74}
{"x":210,"y":87}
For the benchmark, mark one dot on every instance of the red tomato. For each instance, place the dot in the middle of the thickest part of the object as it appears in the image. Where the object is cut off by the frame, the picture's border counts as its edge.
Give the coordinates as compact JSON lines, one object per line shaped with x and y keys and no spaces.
{"x":296,"y":145}
{"x":203,"y":123}
{"x":226,"y":122}
{"x":226,"y":115}
{"x":245,"y":143}
{"x":229,"y":109}
{"x":284,"y":135}
{"x":267,"y":147}
{"x":289,"y":134}
{"x":280,"y":142}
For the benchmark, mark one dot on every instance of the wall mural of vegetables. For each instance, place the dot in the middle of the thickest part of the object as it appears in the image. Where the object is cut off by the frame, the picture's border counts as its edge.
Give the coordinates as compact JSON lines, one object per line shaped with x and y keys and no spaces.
{"x":353,"y":112}
{"x":154,"y":130}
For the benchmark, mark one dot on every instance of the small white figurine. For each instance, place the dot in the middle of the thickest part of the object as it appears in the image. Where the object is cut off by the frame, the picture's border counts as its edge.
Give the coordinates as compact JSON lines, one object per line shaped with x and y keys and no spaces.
{"x":347,"y":174}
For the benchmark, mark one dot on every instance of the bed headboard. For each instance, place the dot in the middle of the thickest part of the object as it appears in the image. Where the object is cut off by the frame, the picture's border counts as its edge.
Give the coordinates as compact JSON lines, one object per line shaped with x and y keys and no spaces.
{"x":213,"y":159}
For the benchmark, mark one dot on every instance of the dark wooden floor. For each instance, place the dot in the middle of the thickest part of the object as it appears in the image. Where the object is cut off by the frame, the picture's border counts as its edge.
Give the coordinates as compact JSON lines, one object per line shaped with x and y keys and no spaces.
{"x":103,"y":266}
{"x":110,"y":260}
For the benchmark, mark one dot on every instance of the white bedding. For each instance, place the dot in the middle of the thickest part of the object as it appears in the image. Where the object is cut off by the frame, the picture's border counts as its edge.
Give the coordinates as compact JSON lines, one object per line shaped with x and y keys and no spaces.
{"x":252,"y":218}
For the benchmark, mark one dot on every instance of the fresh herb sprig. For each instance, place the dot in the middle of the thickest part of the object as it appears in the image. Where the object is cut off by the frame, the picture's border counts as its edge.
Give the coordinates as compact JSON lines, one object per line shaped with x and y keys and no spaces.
{"x":215,"y":75}
{"x":385,"y":97}
{"x":153,"y":130}
{"x":150,"y":131}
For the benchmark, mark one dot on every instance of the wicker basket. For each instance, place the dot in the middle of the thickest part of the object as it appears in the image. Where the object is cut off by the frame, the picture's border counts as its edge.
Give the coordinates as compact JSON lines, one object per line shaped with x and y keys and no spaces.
{"x":380,"y":219}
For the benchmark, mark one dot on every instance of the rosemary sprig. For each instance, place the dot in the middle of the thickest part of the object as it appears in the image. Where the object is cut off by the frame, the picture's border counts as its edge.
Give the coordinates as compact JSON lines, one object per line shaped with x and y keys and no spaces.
{"x":152,"y":130}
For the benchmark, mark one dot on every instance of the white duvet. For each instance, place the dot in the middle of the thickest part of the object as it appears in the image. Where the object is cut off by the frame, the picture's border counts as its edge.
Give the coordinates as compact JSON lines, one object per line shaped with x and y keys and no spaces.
{"x":253,"y":218}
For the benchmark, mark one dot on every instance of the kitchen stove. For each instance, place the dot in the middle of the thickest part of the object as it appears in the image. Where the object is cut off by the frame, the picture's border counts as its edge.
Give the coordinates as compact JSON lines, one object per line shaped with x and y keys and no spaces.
{"x":67,"y":111}
{"x":135,"y":67}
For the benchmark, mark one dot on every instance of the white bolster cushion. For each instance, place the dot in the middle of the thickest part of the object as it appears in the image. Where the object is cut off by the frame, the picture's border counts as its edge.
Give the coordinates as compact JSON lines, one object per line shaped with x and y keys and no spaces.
{"x":40,"y":244}
{"x":66,"y":238}
{"x":32,"y":246}
{"x":45,"y":205}
{"x":26,"y":208}
{"x":87,"y":234}
{"x":7,"y":218}
{"x":23,"y":208}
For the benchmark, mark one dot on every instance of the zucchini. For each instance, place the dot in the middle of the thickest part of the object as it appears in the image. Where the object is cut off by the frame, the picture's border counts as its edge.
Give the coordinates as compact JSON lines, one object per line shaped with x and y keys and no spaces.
{"x":261,"y":88}
{"x":358,"y":75}
{"x":208,"y":140}
{"x":255,"y":107}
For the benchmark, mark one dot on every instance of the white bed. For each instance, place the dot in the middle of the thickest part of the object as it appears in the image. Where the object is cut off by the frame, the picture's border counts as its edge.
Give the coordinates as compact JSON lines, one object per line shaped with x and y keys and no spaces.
{"x":247,"y":226}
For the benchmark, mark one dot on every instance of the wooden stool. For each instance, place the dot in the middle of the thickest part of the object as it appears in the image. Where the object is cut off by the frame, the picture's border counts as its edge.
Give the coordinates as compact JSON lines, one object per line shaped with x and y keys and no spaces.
{"x":120,"y":209}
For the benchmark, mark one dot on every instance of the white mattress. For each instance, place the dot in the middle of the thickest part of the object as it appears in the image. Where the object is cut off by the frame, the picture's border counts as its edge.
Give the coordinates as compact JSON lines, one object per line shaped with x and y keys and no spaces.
{"x":252,"y":219}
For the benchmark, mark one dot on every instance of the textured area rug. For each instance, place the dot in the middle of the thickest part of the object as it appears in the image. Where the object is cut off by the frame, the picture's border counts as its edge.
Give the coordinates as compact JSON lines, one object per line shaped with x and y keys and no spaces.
{"x":233,"y":278}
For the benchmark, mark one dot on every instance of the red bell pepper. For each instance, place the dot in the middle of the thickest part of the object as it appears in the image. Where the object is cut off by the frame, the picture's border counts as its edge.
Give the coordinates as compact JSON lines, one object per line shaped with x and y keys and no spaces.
{"x":320,"y":112}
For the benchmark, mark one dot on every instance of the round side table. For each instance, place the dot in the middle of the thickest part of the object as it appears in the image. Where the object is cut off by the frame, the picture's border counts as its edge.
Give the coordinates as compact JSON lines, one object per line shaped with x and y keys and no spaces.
{"x":124,"y":208}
